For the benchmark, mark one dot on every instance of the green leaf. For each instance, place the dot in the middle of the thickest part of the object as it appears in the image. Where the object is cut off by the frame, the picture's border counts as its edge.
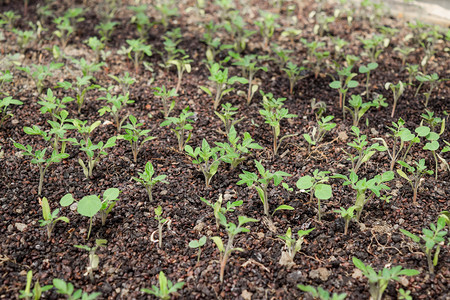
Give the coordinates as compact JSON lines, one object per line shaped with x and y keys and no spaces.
{"x":46,"y":209}
{"x":359,"y":264}
{"x":323,"y":191}
{"x":283,"y":207}
{"x":89,"y":206}
{"x":111,"y":194}
{"x":218,"y":241}
{"x":414,"y":237}
{"x":305,"y":182}
{"x":66,"y":200}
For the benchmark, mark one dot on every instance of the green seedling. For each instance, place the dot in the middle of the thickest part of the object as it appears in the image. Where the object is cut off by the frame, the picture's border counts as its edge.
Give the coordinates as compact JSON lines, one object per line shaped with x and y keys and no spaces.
{"x":320,"y":293}
{"x":171,"y":41}
{"x":413,"y":71}
{"x":404,"y":52}
{"x":347,"y":215}
{"x":397,"y":91}
{"x":9,"y":18}
{"x":267,"y":25}
{"x":273,"y":118}
{"x":292,"y":245}
{"x":94,"y":260}
{"x":194,"y":244}
{"x":226,"y":116}
{"x":106,"y":29}
{"x":236,"y":26}
{"x":96,"y":46}
{"x":147,"y":180}
{"x":64,"y":30}
{"x":39,"y":73}
{"x":221,"y":83}
{"x":81,"y":86}
{"x":404,"y":295}
{"x":124,"y":81}
{"x":363,"y":151}
{"x":429,"y":118}
{"x":249,"y":69}
{"x":161,"y":223}
{"x":39,"y":159}
{"x":362,"y":186}
{"x":366,"y":70}
{"x":183,"y":64}
{"x":433,"y":144}
{"x":357,"y":108}
{"x":316,"y":186}
{"x":282,"y":55}
{"x":343,"y":83}
{"x":232,"y":230}
{"x":218,"y":209}
{"x":236,"y":153}
{"x":141,"y":19}
{"x":270,"y":103}
{"x":416,"y":177}
{"x":53,"y":105}
{"x":165,"y":96}
{"x":339,"y":47}
{"x":37,"y":290}
{"x":86,"y":68}
{"x":322,"y":22}
{"x":324,"y":125}
{"x":374,"y":46}
{"x":50,"y":218}
{"x":433,"y":81}
{"x":109,"y":200}
{"x":181,"y":127}
{"x":24,"y":38}
{"x":165,"y":289}
{"x":4,"y":112}
{"x":93,"y":152}
{"x":432,"y":238}
{"x":134,"y":134}
{"x":137,"y":51}
{"x":378,"y":282}
{"x":167,"y":11}
{"x":5,"y":77}
{"x":261,"y":184}
{"x":294,"y":73}
{"x":208,"y":159}
{"x":83,"y":129}
{"x":67,"y":289}
{"x":116,"y":105}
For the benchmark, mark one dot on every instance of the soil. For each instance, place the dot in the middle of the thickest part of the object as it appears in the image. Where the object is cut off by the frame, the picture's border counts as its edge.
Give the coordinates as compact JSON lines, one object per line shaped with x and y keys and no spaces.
{"x":132,"y":260}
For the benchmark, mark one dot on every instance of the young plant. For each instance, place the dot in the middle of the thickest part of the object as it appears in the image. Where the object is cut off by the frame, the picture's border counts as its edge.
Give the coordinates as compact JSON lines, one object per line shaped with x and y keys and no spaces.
{"x":404,"y":52}
{"x":207,"y":158}
{"x":321,"y":293}
{"x":64,"y":30}
{"x":161,"y":223}
{"x":106,"y":29}
{"x":292,"y":245}
{"x":67,"y":289}
{"x":267,"y":25}
{"x":431,"y":239}
{"x":374,"y":186}
{"x":165,"y":96}
{"x":397,"y":91}
{"x":50,"y":218}
{"x":37,"y":290}
{"x":109,"y":200}
{"x":141,"y":19}
{"x":221,"y":83}
{"x":343,"y":83}
{"x":347,"y":215}
{"x":165,"y":289}
{"x":323,"y":126}
{"x":94,"y":260}
{"x":226,"y":116}
{"x":358,"y":108}
{"x":137,"y":51}
{"x":366,"y":70}
{"x":218,"y":209}
{"x":183,"y":64}
{"x":273,"y":118}
{"x":232,"y":230}
{"x":316,"y":185}
{"x":417,"y":173}
{"x":134,"y":134}
{"x":374,"y":46}
{"x":4,"y":112}
{"x":124,"y":81}
{"x":363,"y":153}
{"x":378,"y":282}
{"x":294,"y":73}
{"x":236,"y":26}
{"x":433,"y":80}
{"x":81,"y":86}
{"x":234,"y":152}
{"x":96,"y":46}
{"x":194,"y":244}
{"x":5,"y":77}
{"x":53,"y":105}
{"x":39,"y":73}
{"x":39,"y":159}
{"x":413,"y":71}
{"x":116,"y":105}
{"x":147,"y":180}
{"x":181,"y":127}
{"x":261,"y":184}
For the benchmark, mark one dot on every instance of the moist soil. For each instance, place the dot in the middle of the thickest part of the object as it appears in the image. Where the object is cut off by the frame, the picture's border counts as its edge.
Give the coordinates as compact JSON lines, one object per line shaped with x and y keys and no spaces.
{"x":132,"y":260}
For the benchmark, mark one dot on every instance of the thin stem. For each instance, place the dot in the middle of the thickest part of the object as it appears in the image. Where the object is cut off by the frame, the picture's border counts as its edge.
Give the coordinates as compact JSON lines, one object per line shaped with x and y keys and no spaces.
{"x":90,"y":227}
{"x":160,"y":225}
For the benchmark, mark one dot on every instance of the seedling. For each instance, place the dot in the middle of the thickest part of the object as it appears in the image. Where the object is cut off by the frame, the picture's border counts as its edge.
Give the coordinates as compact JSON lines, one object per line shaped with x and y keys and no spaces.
{"x":322,"y":22}
{"x":236,"y":153}
{"x":218,"y":209}
{"x":134,"y":135}
{"x":39,"y":73}
{"x":404,"y":52}
{"x":5,"y":77}
{"x":39,"y":158}
{"x":109,"y":200}
{"x":194,"y":244}
{"x":316,"y":185}
{"x":321,"y":293}
{"x":432,"y":238}
{"x":358,"y":108}
{"x":267,"y":25}
{"x":4,"y":112}
{"x":221,"y":83}
{"x":83,"y":129}
{"x":270,"y":103}
{"x":433,"y":80}
{"x":232,"y":230}
{"x":347,"y":215}
{"x":182,"y":126}
{"x":364,"y":152}
{"x":413,"y":71}
{"x":50,"y":218}
{"x":37,"y":290}
{"x":374,"y":46}
{"x":345,"y":81}
{"x":161,"y":223}
{"x":141,"y":19}
{"x":165,"y":96}
{"x":282,"y":55}
{"x":116,"y":105}
{"x":137,"y":51}
{"x":317,"y":134}
{"x":294,"y":73}
{"x":273,"y":118}
{"x":226,"y":116}
{"x":81,"y":86}
{"x":64,"y":30}
{"x":106,"y":29}
{"x":147,"y":180}
{"x":165,"y":289}
{"x":53,"y":105}
{"x":261,"y":184}
{"x":397,"y":91}
{"x":9,"y":18}
{"x":24,"y":38}
{"x":362,"y":186}
{"x":183,"y":64}
{"x":404,"y":295}
{"x":378,"y":282}
{"x":416,"y":177}
{"x":236,"y":25}
{"x":67,"y":289}
{"x":167,"y":11}
{"x":292,"y":245}
{"x":93,"y":257}
{"x":207,"y":158}
{"x":124,"y":81}
{"x":366,"y":70}
{"x":433,"y":143}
